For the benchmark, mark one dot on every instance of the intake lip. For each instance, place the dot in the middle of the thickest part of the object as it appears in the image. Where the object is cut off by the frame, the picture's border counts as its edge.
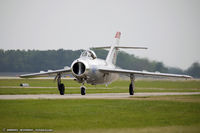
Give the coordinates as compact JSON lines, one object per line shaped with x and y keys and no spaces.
{"x":78,"y":68}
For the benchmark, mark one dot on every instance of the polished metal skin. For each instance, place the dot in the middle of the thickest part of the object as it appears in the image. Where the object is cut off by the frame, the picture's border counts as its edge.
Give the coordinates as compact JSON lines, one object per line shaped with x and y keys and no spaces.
{"x":91,"y":73}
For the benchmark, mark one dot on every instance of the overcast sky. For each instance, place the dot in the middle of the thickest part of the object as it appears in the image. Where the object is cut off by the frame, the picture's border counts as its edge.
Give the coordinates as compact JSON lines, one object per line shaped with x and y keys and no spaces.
{"x":169,"y":28}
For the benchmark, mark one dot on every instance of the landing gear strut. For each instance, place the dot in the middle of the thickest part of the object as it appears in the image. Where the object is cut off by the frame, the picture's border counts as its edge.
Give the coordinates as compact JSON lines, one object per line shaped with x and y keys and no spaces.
{"x":131,"y":86}
{"x":61,"y":86}
{"x":83,"y":92}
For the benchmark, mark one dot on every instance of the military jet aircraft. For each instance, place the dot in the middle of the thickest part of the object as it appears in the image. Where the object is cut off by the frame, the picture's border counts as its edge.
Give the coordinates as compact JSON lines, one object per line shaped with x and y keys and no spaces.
{"x":91,"y":70}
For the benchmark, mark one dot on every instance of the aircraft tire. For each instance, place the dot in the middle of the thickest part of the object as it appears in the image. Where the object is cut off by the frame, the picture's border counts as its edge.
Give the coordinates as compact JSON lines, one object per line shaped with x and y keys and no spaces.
{"x":131,"y":91}
{"x":61,"y":89}
{"x":82,"y":90}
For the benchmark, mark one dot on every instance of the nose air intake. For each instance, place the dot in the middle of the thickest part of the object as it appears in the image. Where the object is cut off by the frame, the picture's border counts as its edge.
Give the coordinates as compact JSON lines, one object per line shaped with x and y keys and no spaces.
{"x":78,"y":68}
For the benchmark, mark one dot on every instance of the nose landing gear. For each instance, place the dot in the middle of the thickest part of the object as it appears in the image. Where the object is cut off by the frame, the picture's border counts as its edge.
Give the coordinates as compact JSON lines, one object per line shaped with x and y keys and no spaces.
{"x":83,"y":92}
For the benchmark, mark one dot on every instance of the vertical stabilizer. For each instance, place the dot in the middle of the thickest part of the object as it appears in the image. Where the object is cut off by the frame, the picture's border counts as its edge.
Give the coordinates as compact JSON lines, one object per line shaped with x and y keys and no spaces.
{"x":117,"y":37}
{"x":112,"y":55}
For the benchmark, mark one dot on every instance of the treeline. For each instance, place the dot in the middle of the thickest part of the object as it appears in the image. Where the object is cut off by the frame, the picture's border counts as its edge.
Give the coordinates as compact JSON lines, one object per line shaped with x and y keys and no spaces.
{"x":35,"y":60}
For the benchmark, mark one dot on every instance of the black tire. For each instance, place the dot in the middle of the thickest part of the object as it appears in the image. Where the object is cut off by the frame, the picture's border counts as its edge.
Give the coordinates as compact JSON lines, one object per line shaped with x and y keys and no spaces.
{"x":131,"y":91}
{"x":82,"y":90}
{"x":61,"y":88}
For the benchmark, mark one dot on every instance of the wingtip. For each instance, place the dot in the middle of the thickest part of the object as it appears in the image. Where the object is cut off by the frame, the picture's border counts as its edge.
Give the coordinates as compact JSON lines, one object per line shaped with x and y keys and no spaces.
{"x":188,"y":77}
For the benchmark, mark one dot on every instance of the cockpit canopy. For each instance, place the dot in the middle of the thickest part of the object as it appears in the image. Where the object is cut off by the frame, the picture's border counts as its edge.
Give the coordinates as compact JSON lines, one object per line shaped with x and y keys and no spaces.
{"x":89,"y":54}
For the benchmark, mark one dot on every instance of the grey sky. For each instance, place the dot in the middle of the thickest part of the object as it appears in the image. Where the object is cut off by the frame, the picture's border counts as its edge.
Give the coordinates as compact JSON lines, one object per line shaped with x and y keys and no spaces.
{"x":169,"y":28}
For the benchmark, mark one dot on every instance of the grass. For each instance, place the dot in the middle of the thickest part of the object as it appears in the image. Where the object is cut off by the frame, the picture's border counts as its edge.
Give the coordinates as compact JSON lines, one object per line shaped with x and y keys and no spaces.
{"x":146,"y":114}
{"x":48,"y":86}
{"x":167,"y":129}
{"x":137,"y":114}
{"x":183,"y":84}
{"x":176,"y":98}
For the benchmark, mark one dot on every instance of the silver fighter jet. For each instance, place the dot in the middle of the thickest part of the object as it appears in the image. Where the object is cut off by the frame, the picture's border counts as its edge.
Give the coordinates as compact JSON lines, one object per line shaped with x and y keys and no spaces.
{"x":91,"y":70}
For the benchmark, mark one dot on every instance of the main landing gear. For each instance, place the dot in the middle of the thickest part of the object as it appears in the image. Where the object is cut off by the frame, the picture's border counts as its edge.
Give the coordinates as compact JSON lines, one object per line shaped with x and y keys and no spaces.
{"x":131,"y":86}
{"x":61,"y":86}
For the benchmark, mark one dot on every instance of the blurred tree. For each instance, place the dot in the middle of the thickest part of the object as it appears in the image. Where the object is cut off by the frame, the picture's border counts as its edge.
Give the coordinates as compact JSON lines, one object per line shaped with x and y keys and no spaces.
{"x":194,"y":70}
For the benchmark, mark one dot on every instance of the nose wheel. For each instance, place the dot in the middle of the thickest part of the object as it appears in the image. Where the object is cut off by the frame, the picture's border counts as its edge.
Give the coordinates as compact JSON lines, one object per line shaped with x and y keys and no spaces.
{"x":82,"y":90}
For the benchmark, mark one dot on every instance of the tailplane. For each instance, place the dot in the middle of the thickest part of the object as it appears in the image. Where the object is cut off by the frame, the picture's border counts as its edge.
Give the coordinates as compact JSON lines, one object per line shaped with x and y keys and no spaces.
{"x":112,"y":54}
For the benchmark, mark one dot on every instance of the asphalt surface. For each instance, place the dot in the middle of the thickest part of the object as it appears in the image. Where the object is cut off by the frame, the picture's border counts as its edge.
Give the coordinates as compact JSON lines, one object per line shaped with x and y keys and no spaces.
{"x":94,"y":96}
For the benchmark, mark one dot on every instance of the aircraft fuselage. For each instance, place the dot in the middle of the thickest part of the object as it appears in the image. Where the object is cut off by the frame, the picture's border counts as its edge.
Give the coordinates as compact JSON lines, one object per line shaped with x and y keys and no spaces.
{"x":85,"y":69}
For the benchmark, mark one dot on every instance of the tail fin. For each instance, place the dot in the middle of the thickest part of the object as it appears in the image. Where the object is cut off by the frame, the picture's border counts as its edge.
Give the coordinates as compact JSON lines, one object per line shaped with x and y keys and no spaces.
{"x":112,"y":55}
{"x":118,"y":34}
{"x":117,"y":37}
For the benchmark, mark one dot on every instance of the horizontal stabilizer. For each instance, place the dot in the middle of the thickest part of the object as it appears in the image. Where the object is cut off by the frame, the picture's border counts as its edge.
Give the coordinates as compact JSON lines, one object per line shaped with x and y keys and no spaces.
{"x":123,"y":47}
{"x":106,"y":47}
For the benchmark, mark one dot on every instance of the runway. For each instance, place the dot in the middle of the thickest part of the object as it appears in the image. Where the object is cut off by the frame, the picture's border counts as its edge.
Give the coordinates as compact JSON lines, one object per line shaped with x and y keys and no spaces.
{"x":94,"y":96}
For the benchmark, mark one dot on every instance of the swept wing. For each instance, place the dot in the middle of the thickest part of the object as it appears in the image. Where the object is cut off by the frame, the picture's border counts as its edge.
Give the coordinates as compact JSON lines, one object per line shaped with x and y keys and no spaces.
{"x":45,"y":74}
{"x":144,"y":73}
